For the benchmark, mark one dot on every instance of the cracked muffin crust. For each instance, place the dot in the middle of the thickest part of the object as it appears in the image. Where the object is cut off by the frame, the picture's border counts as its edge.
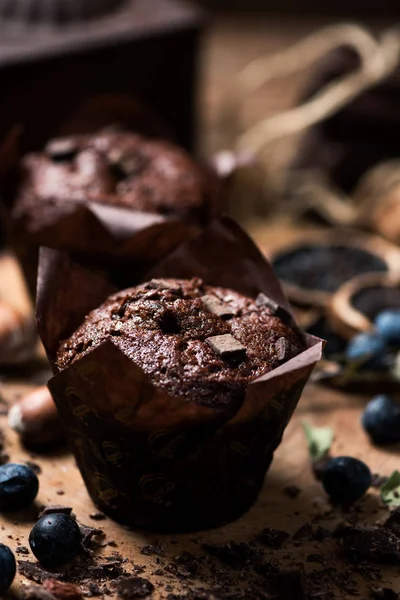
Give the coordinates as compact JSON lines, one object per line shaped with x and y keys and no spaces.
{"x":117,"y":168}
{"x":203,"y":343}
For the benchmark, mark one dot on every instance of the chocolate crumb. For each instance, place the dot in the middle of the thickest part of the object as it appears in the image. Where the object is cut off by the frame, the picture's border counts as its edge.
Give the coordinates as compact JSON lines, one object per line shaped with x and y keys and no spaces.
{"x":22,"y":550}
{"x":134,"y":587}
{"x":272,"y":538}
{"x":292,"y":491}
{"x":52,"y":509}
{"x":34,"y":466}
{"x":235,"y":554}
{"x":304,"y":533}
{"x":384,"y":594}
{"x":91,"y":536}
{"x":321,"y":534}
{"x":97,"y":516}
{"x":316,"y":558}
{"x":376,"y":544}
{"x":60,"y":492}
{"x":158,"y":548}
{"x":216,"y":306}
{"x":227,"y":347}
{"x":34,"y":571}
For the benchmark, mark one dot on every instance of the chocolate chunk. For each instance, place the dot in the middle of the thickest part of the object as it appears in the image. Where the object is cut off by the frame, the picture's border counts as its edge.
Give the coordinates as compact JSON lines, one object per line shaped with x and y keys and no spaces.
{"x":385,"y":594}
{"x":284,"y":349}
{"x":275,"y":309}
{"x":52,"y":509}
{"x":292,"y":491}
{"x":62,"y":149}
{"x":134,"y":587}
{"x":227,"y":347}
{"x":91,"y":536}
{"x":273,"y":538}
{"x":22,"y":550}
{"x":216,"y":306}
{"x":164,"y":284}
{"x":304,"y":533}
{"x":235,"y":554}
{"x":158,"y":549}
{"x":34,"y":466}
{"x":98,"y":516}
{"x":376,"y":544}
{"x":33,"y":571}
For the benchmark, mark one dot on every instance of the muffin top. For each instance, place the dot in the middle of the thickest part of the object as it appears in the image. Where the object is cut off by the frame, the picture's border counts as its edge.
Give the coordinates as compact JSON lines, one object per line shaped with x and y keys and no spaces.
{"x":116,"y":168}
{"x":194,"y":341}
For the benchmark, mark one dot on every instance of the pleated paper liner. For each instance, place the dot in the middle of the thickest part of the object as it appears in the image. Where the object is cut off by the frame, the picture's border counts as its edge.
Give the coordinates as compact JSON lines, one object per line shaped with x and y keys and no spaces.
{"x":149,"y":459}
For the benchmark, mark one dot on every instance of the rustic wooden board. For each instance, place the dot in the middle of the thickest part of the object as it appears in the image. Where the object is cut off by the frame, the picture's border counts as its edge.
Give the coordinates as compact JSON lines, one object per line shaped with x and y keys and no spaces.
{"x":291,"y":465}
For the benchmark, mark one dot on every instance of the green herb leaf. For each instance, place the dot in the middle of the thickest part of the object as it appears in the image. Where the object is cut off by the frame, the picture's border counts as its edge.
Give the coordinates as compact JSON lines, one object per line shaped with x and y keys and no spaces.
{"x":390,"y":491}
{"x":319,"y":440}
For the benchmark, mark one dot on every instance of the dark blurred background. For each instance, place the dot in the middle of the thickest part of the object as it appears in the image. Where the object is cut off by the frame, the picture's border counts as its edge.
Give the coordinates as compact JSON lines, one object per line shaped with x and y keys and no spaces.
{"x":353,"y":8}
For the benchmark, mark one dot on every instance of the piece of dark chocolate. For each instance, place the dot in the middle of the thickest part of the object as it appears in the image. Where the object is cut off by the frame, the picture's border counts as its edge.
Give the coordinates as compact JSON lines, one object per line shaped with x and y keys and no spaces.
{"x":282,"y":349}
{"x":216,"y":306}
{"x":62,"y":149}
{"x":52,"y":509}
{"x":227,"y":347}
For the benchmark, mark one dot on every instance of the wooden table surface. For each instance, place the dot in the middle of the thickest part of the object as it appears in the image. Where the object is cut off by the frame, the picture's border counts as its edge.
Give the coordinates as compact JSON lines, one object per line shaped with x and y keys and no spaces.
{"x":291,"y":466}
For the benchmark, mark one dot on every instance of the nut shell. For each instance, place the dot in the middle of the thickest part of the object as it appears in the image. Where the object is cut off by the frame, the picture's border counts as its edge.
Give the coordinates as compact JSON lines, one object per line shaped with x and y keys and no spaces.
{"x":353,"y":307}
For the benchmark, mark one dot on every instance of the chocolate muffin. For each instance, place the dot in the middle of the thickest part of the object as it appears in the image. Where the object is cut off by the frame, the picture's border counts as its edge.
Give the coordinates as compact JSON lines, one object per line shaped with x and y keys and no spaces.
{"x":109,"y":199}
{"x":202,"y":343}
{"x":116,"y":168}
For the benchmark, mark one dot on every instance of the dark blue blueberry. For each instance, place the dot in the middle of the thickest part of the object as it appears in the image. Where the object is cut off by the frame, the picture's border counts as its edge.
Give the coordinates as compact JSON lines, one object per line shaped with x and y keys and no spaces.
{"x":18,"y":487}
{"x":346,"y":479}
{"x":387,"y":324}
{"x":368,"y":349}
{"x":8,"y":568}
{"x":381,"y":420}
{"x":55,"y":539}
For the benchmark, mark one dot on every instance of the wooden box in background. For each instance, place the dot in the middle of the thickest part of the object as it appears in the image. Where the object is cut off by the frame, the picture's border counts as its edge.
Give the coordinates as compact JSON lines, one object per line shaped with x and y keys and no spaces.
{"x":144,"y":49}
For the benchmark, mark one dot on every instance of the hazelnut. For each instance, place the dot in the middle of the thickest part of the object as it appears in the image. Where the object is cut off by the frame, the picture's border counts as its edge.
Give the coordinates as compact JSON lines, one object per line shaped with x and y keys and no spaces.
{"x":36,"y":418}
{"x":17,"y":335}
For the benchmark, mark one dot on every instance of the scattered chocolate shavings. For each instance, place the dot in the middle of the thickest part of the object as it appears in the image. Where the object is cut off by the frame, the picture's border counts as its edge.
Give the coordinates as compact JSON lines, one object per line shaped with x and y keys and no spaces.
{"x":227,"y":347}
{"x":52,"y":509}
{"x":184,"y":566}
{"x":34,"y":571}
{"x":34,"y":466}
{"x":272,"y":538}
{"x":375,"y":544}
{"x":216,"y":306}
{"x":92,"y":537}
{"x":292,"y":491}
{"x":134,"y":587}
{"x":158,"y":548}
{"x":304,"y":533}
{"x":22,"y":550}
{"x":62,"y":591}
{"x":384,"y":594}
{"x":35,"y":592}
{"x":235,"y":554}
{"x":97,"y":516}
{"x":321,"y":534}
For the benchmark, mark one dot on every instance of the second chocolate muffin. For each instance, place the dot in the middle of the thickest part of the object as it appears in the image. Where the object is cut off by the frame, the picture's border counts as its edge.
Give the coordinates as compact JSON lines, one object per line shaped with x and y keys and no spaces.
{"x":194,"y":341}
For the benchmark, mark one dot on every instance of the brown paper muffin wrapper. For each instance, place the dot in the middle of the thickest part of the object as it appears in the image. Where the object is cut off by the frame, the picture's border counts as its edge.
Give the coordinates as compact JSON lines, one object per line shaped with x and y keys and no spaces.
{"x":149,"y":459}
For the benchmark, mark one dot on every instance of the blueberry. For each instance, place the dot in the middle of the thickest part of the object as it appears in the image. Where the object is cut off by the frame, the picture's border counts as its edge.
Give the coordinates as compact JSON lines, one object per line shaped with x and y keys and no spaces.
{"x":55,"y":539}
{"x":368,"y":349}
{"x":387,"y":324}
{"x":8,"y":568}
{"x":18,"y":487}
{"x":381,"y":420}
{"x":346,"y":479}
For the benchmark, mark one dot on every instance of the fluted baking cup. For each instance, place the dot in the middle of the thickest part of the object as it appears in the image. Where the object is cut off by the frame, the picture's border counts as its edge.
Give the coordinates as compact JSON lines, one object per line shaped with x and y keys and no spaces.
{"x":150,"y":459}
